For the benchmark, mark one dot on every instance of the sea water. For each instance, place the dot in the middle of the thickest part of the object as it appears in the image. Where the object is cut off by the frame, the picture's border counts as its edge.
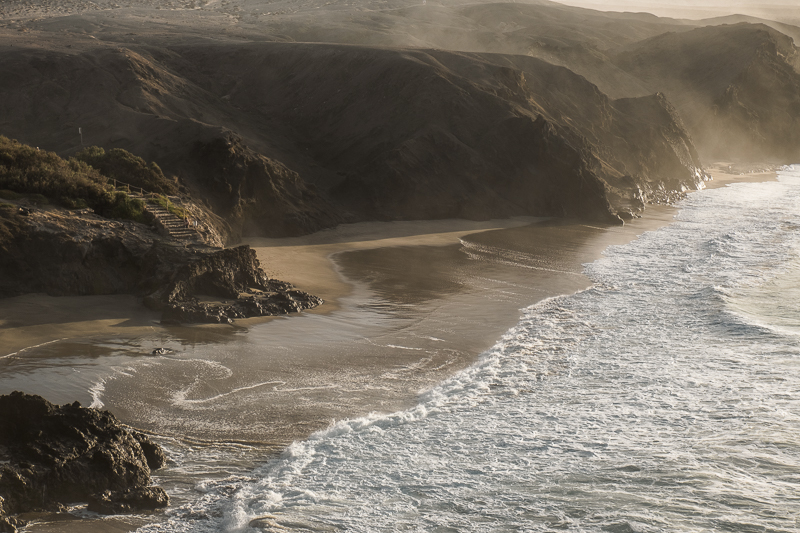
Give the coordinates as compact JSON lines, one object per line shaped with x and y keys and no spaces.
{"x":666,"y":397}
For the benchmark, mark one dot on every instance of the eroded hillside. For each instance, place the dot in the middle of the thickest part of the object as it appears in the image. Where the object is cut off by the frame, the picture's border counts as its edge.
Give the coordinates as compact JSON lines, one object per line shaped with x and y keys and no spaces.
{"x":401,"y":110}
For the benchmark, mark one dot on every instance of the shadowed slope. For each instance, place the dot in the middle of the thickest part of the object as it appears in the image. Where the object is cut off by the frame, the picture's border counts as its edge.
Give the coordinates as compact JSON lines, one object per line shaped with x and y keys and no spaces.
{"x":737,"y":87}
{"x":430,"y":134}
{"x":280,"y":136}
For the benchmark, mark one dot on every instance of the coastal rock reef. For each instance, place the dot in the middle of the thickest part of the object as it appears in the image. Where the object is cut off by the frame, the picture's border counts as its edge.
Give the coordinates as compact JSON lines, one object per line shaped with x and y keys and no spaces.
{"x":54,"y":455}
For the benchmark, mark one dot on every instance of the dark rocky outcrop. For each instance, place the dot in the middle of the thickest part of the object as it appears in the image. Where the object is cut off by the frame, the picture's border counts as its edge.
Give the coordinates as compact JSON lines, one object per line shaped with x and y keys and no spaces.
{"x":232,"y":277}
{"x":239,"y":182}
{"x":128,"y":500}
{"x":53,"y":455}
{"x":101,"y":256}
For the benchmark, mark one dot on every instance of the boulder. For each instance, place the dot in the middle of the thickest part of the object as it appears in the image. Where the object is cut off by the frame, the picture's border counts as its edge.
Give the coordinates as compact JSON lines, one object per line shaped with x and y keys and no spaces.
{"x":54,"y":455}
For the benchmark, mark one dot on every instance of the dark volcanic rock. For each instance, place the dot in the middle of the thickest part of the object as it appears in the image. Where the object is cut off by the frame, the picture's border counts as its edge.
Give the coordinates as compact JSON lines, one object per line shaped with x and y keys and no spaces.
{"x":63,"y":253}
{"x":231,"y":277}
{"x":56,"y":455}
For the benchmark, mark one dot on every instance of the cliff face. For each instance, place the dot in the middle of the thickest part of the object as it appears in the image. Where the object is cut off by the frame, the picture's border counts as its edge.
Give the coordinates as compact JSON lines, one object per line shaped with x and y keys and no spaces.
{"x":284,"y":139}
{"x":255,"y":193}
{"x":420,"y":111}
{"x":737,"y":87}
{"x":429,"y":134}
{"x":121,"y":98}
{"x":661,"y":162}
{"x":69,"y":254}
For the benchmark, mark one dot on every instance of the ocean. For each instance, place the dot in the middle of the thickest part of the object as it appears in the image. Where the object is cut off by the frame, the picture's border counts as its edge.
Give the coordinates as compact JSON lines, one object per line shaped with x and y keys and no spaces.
{"x":665,"y":397}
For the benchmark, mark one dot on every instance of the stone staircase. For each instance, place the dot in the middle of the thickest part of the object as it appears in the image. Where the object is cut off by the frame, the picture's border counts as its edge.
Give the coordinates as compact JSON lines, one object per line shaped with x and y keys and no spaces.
{"x":174,"y":226}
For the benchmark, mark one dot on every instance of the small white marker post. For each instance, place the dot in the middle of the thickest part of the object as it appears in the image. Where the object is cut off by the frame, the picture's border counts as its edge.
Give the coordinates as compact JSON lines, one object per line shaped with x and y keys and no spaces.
{"x":80,"y":132}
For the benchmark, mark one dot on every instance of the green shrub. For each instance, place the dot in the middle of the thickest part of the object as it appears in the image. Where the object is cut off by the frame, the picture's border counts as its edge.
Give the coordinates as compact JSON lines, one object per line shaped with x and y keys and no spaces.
{"x":123,"y":166}
{"x":25,"y":170}
{"x":73,"y":203}
{"x":5,"y":194}
{"x":126,"y":207}
{"x":41,"y":175}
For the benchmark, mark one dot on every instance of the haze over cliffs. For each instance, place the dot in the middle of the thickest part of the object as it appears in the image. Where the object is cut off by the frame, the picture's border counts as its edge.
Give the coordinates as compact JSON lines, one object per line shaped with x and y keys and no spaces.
{"x":289,"y":117}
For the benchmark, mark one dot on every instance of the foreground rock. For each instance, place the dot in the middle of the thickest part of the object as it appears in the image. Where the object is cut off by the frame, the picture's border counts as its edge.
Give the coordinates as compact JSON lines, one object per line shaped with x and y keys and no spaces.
{"x":100,"y":256}
{"x":52,"y":456}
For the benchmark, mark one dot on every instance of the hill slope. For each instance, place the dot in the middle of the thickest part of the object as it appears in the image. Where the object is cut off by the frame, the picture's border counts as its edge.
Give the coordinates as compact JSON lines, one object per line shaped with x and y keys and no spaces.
{"x":738,"y":87}
{"x":281,"y":136}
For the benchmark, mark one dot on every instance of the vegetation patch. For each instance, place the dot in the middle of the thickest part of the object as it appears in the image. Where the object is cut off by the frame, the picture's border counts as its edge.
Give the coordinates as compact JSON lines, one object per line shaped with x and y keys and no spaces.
{"x":43,"y":177}
{"x":73,"y":203}
{"x":128,"y":169}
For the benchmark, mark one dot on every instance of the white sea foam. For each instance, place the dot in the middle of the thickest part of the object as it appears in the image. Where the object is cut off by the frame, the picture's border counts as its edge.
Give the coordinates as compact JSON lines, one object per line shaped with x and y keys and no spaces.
{"x":33,"y":346}
{"x":96,"y":390}
{"x":649,"y":402}
{"x":180,"y":397}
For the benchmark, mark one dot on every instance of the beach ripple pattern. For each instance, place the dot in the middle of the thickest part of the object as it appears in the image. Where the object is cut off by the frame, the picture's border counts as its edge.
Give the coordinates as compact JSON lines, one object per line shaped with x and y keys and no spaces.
{"x":656,"y":400}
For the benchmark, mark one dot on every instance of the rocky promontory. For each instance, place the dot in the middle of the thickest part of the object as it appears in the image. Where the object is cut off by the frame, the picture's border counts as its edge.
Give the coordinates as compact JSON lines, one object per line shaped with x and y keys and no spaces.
{"x":217,"y":286}
{"x":54,"y":455}
{"x":76,"y":253}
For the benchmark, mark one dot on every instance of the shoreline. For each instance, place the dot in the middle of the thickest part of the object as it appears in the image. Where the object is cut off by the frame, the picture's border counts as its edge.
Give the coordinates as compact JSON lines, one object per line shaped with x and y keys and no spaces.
{"x":337,"y":370}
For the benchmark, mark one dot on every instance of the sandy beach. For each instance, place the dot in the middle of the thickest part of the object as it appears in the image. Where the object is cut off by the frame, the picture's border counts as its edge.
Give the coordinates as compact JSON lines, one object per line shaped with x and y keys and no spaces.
{"x":439,"y":279}
{"x":406,"y":305}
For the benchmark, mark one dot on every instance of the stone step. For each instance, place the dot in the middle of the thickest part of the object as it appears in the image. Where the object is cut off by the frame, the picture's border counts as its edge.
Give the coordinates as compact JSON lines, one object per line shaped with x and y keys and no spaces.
{"x":175,"y":226}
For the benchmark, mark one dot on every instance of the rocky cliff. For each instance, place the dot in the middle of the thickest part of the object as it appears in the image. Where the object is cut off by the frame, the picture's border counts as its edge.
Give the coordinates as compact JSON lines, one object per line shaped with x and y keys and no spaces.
{"x":287,"y":138}
{"x":64,"y":252}
{"x":408,"y":111}
{"x":736,"y":86}
{"x":55,"y":455}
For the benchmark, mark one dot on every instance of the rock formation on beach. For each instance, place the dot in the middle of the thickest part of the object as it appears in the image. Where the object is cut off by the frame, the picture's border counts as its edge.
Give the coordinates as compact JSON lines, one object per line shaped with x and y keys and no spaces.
{"x":47,"y":247}
{"x":232,"y":277}
{"x":56,"y":455}
{"x":65,"y":253}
